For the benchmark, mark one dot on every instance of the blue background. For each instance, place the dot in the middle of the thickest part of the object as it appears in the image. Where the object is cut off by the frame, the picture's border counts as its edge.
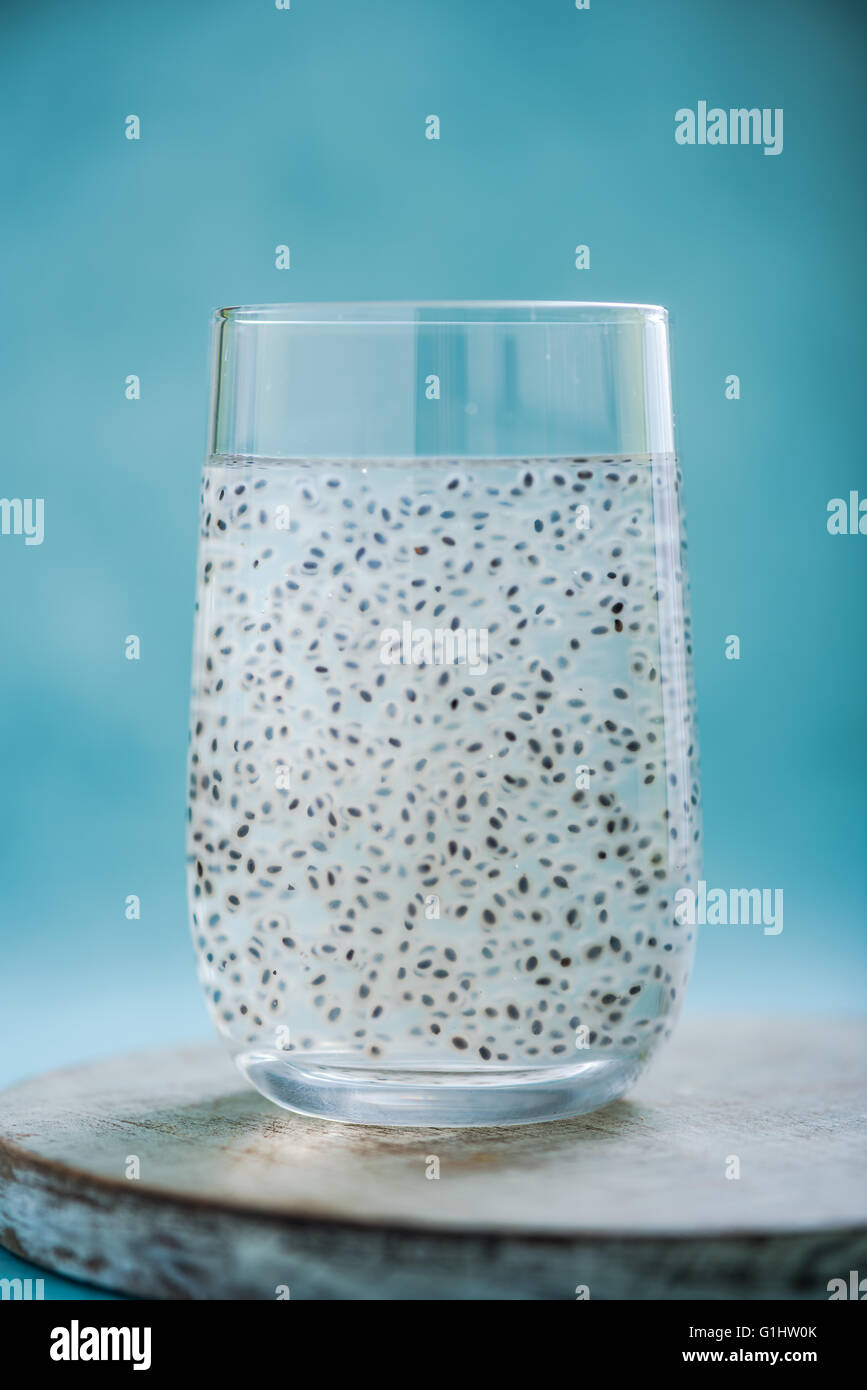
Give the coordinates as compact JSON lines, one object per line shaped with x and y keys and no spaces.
{"x":306,"y":127}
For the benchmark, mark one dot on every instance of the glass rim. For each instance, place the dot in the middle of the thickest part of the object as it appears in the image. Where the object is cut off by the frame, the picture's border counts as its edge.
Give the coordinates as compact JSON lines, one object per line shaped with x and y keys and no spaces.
{"x":468,"y":313}
{"x":352,"y":379}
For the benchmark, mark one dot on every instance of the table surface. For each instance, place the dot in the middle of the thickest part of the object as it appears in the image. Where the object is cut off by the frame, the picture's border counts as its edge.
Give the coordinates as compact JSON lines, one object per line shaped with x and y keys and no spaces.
{"x":743,"y":1134}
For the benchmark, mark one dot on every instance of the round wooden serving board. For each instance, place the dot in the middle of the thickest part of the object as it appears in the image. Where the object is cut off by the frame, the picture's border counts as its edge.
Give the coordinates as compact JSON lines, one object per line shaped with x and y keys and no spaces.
{"x":238,"y":1199}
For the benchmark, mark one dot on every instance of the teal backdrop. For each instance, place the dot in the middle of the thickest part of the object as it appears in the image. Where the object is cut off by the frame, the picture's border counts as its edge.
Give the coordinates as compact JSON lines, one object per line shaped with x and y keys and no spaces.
{"x":306,"y":127}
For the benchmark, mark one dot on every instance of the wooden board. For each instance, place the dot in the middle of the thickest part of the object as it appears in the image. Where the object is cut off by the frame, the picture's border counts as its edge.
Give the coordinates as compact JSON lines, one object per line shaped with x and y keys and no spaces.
{"x":238,"y":1199}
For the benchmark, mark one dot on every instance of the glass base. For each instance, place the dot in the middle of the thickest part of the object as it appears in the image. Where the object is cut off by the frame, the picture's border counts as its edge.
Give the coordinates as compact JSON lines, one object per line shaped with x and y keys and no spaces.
{"x":455,"y":1098}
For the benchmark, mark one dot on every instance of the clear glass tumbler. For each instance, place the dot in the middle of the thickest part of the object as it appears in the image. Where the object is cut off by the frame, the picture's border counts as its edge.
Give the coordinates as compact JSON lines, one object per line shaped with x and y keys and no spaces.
{"x":442,"y":777}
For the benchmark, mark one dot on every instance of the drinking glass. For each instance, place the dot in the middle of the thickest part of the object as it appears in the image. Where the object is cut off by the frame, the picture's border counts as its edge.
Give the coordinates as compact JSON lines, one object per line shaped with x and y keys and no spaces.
{"x":443,"y":782}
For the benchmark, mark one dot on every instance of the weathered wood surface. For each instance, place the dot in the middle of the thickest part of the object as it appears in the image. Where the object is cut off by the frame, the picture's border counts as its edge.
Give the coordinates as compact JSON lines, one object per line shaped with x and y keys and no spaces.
{"x":236,"y":1197}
